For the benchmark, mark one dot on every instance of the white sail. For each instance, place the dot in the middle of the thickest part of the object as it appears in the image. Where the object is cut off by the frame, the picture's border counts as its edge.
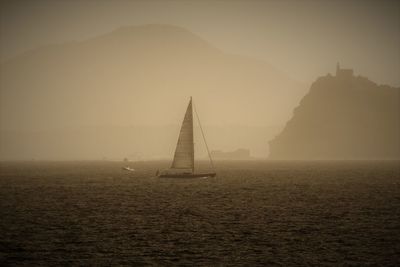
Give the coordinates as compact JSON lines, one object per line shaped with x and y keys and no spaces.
{"x":184,"y":153}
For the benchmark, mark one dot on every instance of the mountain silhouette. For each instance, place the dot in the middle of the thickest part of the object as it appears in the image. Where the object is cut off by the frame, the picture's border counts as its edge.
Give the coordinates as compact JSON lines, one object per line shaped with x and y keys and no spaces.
{"x":342,"y":117}
{"x":140,"y":75}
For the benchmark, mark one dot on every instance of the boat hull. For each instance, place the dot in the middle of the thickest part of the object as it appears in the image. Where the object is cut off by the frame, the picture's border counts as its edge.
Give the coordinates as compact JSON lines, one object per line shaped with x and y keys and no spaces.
{"x":187,"y":175}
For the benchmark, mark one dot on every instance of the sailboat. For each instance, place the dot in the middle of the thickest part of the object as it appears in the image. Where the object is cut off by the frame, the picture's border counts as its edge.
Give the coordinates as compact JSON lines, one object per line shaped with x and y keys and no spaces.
{"x":183,"y":163}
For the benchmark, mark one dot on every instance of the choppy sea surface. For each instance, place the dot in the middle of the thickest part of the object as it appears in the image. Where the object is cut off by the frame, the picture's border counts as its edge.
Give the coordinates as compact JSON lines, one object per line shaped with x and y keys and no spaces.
{"x":339,"y":213}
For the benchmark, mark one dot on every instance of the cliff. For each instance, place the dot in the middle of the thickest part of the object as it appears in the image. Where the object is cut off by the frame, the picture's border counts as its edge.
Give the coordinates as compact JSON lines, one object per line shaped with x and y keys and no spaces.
{"x":342,"y":117}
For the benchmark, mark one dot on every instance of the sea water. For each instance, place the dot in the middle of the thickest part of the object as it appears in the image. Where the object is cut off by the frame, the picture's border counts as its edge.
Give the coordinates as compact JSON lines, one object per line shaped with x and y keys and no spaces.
{"x":253,"y":213}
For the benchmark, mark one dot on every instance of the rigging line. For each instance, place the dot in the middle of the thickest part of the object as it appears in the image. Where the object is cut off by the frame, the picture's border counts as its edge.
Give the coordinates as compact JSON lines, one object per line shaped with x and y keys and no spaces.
{"x":204,"y":138}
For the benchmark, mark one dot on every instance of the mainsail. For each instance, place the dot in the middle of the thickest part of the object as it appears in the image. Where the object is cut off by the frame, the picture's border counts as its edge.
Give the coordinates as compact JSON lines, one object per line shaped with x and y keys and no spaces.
{"x":184,"y":153}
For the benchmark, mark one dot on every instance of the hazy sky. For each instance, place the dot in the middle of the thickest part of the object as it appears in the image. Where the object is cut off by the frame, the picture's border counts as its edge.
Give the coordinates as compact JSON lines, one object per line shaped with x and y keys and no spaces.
{"x":302,"y":38}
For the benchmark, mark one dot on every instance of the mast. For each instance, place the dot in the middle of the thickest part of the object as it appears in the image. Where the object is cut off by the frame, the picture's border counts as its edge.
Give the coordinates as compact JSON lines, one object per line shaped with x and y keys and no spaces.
{"x":191,"y":106}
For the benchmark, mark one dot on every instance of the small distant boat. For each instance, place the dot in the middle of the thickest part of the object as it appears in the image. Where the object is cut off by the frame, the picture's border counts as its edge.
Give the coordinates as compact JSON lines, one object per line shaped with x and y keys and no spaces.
{"x":128,"y":169}
{"x":183,"y":163}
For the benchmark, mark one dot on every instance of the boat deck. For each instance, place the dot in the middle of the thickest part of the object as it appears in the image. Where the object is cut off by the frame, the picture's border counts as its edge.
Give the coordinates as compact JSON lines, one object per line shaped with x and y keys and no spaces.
{"x":188,"y":175}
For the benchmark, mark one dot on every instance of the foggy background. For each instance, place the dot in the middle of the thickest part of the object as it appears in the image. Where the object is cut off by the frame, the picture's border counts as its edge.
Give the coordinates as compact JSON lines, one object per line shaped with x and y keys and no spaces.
{"x":111,"y":79}
{"x":301,"y":38}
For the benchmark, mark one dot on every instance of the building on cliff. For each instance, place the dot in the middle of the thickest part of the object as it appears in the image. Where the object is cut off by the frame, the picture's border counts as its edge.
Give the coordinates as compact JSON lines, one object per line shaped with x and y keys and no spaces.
{"x":343,"y":73}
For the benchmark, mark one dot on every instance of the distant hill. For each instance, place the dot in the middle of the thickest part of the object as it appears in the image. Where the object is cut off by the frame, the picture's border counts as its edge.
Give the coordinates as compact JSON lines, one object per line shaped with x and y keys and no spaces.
{"x":342,"y":117}
{"x":140,"y":75}
{"x":238,"y":154}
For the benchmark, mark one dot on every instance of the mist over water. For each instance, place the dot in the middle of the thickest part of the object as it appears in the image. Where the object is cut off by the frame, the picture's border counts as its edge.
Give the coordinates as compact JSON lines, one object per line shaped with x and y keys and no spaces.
{"x":73,"y":86}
